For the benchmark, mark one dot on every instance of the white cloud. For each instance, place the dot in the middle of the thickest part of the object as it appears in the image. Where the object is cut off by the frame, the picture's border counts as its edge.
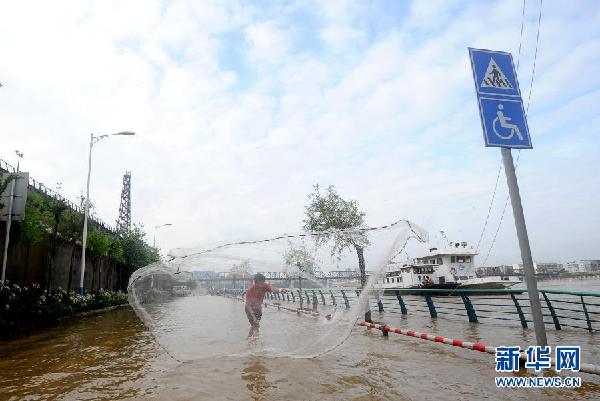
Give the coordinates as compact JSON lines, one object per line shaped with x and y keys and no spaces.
{"x":267,"y":43}
{"x":225,"y":152}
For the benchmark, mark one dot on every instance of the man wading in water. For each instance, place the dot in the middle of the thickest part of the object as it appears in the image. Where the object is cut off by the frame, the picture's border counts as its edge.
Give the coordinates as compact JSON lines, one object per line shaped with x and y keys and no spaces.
{"x":254,"y":299}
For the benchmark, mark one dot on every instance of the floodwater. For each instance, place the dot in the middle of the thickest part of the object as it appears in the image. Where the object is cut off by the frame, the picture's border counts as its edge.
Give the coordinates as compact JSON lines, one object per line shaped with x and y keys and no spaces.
{"x":203,"y":355}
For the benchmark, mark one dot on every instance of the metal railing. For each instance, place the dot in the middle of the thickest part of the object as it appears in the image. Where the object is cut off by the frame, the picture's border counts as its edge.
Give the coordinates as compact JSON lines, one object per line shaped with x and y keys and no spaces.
{"x":39,"y":186}
{"x":561,"y":309}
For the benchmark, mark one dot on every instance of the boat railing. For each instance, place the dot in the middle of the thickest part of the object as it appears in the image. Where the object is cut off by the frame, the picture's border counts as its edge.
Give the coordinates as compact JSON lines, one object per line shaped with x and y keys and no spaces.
{"x":578,"y":310}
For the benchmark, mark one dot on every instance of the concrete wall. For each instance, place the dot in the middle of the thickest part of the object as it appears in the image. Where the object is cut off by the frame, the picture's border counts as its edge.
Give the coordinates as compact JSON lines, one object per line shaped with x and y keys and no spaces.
{"x":100,"y":272}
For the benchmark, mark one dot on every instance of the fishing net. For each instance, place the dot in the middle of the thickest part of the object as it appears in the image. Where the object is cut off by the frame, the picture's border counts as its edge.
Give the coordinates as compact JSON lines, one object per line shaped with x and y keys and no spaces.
{"x":194,"y":302}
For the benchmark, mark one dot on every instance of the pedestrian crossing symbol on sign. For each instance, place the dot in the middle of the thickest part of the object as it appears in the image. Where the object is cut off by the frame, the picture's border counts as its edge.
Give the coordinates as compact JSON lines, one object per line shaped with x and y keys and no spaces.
{"x":494,"y":77}
{"x":494,"y":73}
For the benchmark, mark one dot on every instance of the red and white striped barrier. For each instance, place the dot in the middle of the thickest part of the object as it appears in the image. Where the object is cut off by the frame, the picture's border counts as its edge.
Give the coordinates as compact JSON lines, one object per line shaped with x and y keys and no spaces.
{"x":426,"y":336}
{"x":295,"y":310}
{"x":584,"y":367}
{"x":280,"y":306}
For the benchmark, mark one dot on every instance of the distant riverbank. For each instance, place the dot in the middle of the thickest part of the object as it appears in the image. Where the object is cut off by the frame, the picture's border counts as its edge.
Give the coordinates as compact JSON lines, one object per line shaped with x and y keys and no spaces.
{"x":568,"y":283}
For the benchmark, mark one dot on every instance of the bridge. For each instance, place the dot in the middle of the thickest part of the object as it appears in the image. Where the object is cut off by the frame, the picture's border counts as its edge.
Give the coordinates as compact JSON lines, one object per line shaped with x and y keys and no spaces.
{"x":277,"y":276}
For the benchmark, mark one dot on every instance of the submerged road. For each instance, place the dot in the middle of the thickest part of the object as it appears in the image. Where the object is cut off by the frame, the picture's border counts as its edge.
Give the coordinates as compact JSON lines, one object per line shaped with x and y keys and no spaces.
{"x":114,"y":357}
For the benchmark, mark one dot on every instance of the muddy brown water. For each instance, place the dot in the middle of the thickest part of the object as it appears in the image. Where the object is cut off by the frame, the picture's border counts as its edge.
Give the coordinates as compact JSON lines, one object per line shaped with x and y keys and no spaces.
{"x":113,"y":356}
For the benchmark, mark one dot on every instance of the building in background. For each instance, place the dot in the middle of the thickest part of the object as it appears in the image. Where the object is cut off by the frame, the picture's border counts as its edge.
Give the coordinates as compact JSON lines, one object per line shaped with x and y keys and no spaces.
{"x":502,"y":270}
{"x":584,"y":266}
{"x":518,"y":268}
{"x":540,"y":267}
{"x":204,"y":275}
{"x":549,"y":268}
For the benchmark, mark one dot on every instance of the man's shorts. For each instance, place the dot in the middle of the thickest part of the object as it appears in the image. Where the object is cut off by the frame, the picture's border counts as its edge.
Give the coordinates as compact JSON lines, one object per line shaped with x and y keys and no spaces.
{"x":257,"y":313}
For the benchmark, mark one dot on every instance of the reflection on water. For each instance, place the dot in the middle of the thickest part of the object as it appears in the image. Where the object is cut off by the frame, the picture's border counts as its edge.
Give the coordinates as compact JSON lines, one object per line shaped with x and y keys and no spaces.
{"x":572,"y":284}
{"x":112,"y":357}
{"x":255,"y":374}
{"x":101,"y":357}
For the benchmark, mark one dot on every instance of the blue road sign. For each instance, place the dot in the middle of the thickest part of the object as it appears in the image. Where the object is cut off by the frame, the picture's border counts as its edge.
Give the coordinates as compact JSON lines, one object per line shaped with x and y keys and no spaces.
{"x":504,"y":123}
{"x":494,"y":73}
{"x":500,"y":105}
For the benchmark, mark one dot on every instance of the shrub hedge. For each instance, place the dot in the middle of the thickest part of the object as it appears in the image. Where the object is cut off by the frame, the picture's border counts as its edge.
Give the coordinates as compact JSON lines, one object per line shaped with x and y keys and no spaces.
{"x":23,"y":309}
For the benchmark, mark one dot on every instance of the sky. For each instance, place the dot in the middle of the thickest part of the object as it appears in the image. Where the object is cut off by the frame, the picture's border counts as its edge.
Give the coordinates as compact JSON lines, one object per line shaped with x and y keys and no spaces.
{"x":239,"y":108}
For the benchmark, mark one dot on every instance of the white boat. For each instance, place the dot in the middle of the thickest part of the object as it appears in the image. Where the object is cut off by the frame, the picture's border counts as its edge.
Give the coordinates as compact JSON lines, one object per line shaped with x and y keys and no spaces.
{"x":448,"y":268}
{"x":181,"y":291}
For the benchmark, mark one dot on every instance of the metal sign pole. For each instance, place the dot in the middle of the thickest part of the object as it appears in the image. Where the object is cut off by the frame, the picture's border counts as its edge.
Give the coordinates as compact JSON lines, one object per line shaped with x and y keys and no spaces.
{"x":7,"y":236}
{"x":504,"y":124}
{"x":532,"y":290}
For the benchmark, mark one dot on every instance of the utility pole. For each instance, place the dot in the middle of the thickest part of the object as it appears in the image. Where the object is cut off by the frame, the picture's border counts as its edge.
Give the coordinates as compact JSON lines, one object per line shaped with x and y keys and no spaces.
{"x":11,"y":198}
{"x":93,"y":140}
{"x":300,"y":283}
{"x":532,"y":290}
{"x":504,"y":124}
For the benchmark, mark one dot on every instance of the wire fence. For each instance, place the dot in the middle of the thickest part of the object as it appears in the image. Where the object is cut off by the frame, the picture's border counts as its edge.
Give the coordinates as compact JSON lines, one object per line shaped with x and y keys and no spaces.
{"x":561,"y":309}
{"x":39,"y":186}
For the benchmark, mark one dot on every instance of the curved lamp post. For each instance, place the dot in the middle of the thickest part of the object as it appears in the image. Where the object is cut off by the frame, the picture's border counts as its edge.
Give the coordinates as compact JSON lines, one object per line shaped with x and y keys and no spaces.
{"x":155,"y":229}
{"x":93,"y":141}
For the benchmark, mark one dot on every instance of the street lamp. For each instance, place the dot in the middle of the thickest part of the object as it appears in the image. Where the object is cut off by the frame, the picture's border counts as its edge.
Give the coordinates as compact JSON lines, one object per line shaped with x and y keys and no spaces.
{"x":19,"y":157}
{"x":155,"y":229}
{"x":93,"y":141}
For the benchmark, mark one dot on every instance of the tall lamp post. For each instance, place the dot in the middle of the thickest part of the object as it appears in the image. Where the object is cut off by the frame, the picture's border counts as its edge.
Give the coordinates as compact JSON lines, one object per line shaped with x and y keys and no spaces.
{"x":93,"y":141}
{"x":156,"y":229}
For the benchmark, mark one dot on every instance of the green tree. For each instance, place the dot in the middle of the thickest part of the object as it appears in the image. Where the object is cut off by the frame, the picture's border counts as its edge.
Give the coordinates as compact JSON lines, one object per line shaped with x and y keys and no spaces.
{"x":32,"y":232}
{"x":4,"y":183}
{"x":299,"y":258}
{"x":98,"y":243}
{"x":243,"y":268}
{"x":243,"y":271}
{"x":115,"y":253}
{"x":53,"y":210}
{"x":116,"y":250}
{"x":136,"y":252}
{"x":70,"y":228}
{"x":328,"y":212}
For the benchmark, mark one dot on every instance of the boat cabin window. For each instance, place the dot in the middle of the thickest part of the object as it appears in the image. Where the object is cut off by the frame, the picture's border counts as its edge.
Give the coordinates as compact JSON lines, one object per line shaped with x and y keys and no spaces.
{"x":387,"y":280}
{"x":452,"y":259}
{"x":468,"y":259}
{"x":439,"y":261}
{"x":432,"y":261}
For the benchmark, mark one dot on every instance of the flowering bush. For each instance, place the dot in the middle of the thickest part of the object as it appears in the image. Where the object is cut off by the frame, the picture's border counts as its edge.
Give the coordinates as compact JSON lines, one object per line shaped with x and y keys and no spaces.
{"x":27,"y":308}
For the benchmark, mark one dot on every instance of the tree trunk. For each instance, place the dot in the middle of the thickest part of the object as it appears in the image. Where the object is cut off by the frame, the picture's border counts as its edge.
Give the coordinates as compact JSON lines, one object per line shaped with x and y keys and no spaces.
{"x":363,"y":280}
{"x":70,"y":282}
{"x":361,"y":266}
{"x":51,"y":256}
{"x":93,"y":274}
{"x":100,"y":273}
{"x":26,"y":269}
{"x":109,"y":275}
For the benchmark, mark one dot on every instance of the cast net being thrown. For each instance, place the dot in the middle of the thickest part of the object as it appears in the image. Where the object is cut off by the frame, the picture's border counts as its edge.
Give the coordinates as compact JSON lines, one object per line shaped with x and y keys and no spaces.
{"x":193,"y":303}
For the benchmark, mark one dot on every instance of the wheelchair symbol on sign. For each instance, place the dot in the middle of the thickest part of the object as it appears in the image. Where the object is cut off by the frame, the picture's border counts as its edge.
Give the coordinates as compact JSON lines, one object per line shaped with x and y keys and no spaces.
{"x":506,"y":130}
